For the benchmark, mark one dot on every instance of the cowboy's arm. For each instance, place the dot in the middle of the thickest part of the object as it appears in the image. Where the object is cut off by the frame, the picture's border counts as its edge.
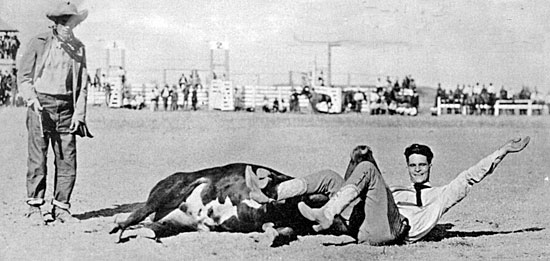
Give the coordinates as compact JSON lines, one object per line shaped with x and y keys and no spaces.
{"x":457,"y":189}
{"x":80,"y":105}
{"x":26,"y":72}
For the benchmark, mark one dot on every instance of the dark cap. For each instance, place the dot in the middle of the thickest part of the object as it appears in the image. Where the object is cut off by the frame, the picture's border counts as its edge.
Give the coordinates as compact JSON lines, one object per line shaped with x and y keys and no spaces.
{"x":419,"y":149}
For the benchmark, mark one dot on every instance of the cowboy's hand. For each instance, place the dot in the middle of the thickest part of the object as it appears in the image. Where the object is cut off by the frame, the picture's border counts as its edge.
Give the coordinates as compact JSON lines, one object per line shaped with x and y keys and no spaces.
{"x":515,"y":145}
{"x":35,"y":104}
{"x":75,"y":125}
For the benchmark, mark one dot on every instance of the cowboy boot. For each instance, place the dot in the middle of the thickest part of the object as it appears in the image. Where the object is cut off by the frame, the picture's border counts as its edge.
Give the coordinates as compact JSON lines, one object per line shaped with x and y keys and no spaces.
{"x":291,"y":188}
{"x":325,"y":216}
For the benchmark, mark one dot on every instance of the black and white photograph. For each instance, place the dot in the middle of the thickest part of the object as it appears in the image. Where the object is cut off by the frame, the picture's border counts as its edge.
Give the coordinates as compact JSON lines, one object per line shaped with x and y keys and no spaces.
{"x":274,"y":130}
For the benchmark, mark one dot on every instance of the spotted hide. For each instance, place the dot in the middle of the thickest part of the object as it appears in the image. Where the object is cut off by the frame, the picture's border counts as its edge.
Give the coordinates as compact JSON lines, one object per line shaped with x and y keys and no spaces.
{"x":234,"y":198}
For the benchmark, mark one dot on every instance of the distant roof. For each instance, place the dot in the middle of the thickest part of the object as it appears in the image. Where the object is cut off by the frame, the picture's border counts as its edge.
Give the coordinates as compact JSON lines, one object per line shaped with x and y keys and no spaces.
{"x":5,"y":27}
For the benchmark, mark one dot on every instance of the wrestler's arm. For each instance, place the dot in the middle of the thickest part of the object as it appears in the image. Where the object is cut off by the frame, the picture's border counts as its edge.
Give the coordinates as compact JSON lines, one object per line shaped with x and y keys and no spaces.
{"x":457,"y":189}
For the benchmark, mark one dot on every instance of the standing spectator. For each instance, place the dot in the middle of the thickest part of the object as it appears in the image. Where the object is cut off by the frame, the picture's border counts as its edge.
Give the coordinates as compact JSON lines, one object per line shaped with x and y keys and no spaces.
{"x":122,"y":74}
{"x":192,"y":79}
{"x":13,"y":86}
{"x":439,"y":93}
{"x":379,"y":83}
{"x":53,"y":82}
{"x":7,"y":88}
{"x":198,"y":81}
{"x":238,"y":99}
{"x":186,"y":95}
{"x":165,"y":94}
{"x":294,"y":101}
{"x":358,"y":97}
{"x":14,"y":46}
{"x":3,"y":89}
{"x":194,"y":98}
{"x":476,"y":89}
{"x":2,"y":46}
{"x":97,"y":81}
{"x":174,"y":98}
{"x":107,"y":89}
{"x":183,"y":81}
{"x":155,"y":98}
{"x":458,"y":95}
{"x":275,"y":105}
{"x":265,"y":105}
{"x":103,"y":80}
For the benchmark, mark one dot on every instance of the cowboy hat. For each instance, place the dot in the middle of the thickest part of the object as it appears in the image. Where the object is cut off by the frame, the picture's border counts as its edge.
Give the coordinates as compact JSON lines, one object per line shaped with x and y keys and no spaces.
{"x":67,"y":8}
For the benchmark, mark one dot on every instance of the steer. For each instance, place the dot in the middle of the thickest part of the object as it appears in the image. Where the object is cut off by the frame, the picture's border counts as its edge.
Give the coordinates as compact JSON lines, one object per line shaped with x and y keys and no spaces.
{"x":234,"y":198}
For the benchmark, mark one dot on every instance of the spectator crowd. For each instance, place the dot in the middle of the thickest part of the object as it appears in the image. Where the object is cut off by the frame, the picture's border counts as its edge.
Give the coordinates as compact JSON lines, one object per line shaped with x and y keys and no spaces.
{"x":8,"y":87}
{"x":9,"y":45}
{"x":480,"y":98}
{"x":177,"y":97}
{"x":393,"y":97}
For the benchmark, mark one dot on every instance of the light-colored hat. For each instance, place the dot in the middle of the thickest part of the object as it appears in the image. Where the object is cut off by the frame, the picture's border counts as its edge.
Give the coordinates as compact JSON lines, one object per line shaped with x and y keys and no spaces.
{"x":67,"y":8}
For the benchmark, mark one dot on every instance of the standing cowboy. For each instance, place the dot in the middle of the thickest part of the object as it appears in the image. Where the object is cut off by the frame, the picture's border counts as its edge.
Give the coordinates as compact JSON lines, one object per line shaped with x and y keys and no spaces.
{"x":52,"y":80}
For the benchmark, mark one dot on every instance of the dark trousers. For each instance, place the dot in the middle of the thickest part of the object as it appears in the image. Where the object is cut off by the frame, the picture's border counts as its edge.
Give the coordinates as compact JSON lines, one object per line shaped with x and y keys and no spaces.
{"x":55,"y":120}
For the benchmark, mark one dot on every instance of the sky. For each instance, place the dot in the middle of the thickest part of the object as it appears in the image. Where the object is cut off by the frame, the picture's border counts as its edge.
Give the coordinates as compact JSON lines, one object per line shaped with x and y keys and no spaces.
{"x":504,"y":42}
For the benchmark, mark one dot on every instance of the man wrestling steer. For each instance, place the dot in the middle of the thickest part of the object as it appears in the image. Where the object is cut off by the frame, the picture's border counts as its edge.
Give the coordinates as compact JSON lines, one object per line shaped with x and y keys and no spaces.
{"x":378,"y":215}
{"x":244,"y":198}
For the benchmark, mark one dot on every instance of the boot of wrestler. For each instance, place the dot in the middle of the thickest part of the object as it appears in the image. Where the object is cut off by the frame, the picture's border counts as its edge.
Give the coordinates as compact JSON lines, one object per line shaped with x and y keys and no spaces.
{"x":324,"y":216}
{"x":291,"y":188}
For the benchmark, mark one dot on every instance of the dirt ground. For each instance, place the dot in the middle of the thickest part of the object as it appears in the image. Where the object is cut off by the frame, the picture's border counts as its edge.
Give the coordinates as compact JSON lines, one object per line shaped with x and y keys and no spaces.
{"x":505,"y":217}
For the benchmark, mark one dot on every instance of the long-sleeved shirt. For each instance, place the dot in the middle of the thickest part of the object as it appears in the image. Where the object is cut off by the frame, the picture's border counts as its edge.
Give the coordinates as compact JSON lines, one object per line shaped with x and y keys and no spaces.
{"x":56,"y":77}
{"x":33,"y":64}
{"x":438,"y":200}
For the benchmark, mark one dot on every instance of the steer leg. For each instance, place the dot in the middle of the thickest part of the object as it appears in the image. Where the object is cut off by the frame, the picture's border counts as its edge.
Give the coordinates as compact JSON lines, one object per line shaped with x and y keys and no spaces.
{"x":284,"y":237}
{"x":277,"y":237}
{"x":134,"y":219}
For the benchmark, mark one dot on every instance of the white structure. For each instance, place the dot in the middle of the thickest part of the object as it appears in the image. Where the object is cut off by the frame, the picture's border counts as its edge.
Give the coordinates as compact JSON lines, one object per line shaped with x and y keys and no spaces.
{"x":221,"y":96}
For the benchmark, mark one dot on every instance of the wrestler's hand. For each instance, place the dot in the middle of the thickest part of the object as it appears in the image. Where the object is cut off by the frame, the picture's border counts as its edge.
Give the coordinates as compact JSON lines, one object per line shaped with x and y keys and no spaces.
{"x":515,"y":145}
{"x":35,"y":104}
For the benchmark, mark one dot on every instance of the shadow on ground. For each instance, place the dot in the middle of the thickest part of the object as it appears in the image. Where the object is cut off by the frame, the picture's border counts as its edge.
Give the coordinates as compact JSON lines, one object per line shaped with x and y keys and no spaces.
{"x":109,"y":212}
{"x":442,"y":231}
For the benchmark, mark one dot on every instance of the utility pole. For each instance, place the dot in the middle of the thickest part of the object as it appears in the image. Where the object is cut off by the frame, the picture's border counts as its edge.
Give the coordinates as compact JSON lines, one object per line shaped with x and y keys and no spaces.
{"x":329,"y":68}
{"x":329,"y":45}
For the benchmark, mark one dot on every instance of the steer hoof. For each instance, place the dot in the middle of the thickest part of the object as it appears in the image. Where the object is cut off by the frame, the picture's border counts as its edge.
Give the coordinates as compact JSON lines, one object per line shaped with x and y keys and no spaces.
{"x":284,"y":237}
{"x":269,"y":235}
{"x":115,"y":229}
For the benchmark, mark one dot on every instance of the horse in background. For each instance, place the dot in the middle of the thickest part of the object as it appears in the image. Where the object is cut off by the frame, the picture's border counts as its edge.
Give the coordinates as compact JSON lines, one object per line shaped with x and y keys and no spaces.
{"x":316,"y":98}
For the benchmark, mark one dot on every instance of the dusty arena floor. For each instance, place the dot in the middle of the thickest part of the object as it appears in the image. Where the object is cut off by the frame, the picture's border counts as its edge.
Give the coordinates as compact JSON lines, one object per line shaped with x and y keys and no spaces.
{"x":505,"y":217}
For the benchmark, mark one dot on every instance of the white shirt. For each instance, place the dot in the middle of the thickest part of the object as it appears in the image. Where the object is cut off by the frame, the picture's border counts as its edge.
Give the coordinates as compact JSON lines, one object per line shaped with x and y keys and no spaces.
{"x":436,"y":201}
